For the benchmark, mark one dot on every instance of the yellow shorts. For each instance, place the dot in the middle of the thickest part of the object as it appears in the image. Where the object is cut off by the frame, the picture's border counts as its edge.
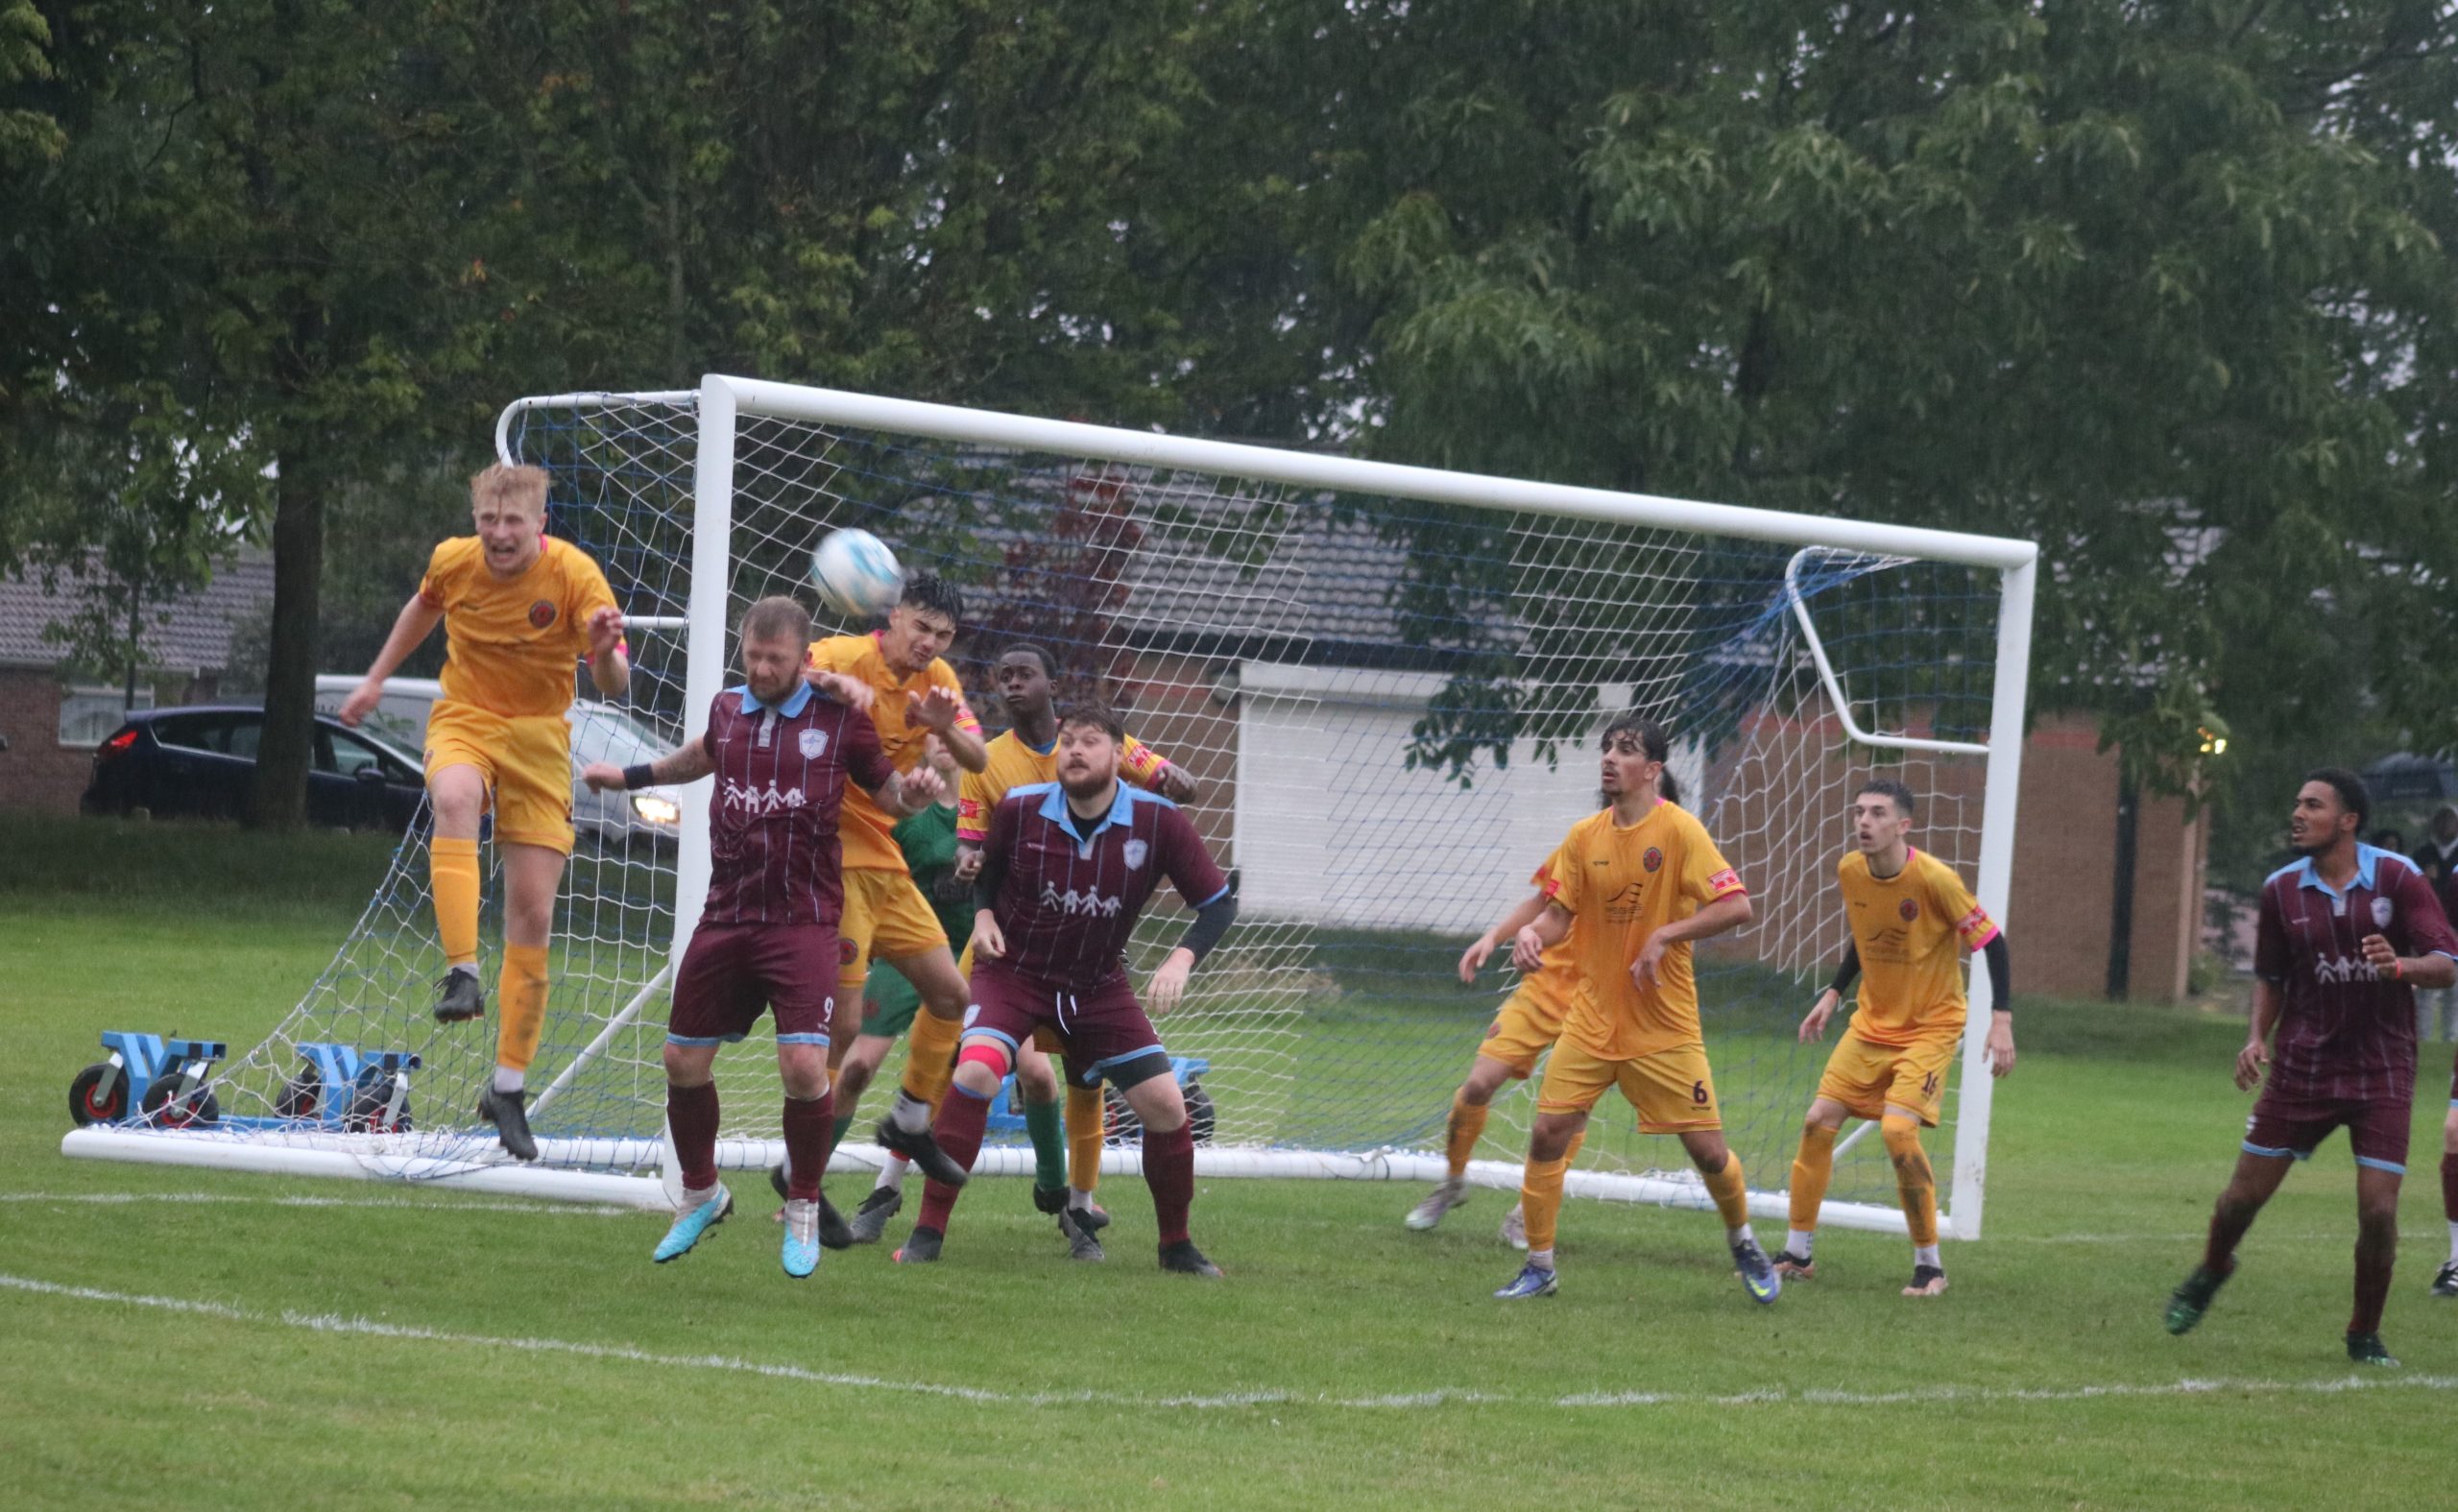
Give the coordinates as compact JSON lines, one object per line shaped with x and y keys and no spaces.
{"x":1673,"y":1090}
{"x":526,"y":763}
{"x":1523,"y":1028}
{"x":1868,"y":1078}
{"x":885,"y":917}
{"x":1044,"y":1040}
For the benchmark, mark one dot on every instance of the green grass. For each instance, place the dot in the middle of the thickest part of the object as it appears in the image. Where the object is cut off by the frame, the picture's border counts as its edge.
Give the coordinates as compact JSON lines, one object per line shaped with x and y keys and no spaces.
{"x":402,"y":1347}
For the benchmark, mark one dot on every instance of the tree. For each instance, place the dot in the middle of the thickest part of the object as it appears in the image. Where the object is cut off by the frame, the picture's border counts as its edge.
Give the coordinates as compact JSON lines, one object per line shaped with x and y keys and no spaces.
{"x":2167,"y":288}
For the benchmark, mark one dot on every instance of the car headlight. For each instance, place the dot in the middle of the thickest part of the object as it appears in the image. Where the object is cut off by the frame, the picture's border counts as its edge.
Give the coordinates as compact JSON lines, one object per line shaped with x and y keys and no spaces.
{"x":657,"y":810}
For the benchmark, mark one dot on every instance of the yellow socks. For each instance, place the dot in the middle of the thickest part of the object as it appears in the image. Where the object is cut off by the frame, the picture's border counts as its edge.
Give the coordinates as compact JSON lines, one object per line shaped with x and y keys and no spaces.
{"x":1467,"y":1126}
{"x":1731,"y":1191}
{"x":1540,"y":1205}
{"x":1913,"y":1178}
{"x":1811,"y":1168}
{"x":521,"y":1000}
{"x":929,"y":1057}
{"x":1084,"y":1142}
{"x":452,"y":877}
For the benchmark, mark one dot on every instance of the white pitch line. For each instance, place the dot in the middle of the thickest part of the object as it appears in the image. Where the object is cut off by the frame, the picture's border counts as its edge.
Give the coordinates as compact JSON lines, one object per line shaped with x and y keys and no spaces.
{"x":557,"y":1210}
{"x":1446,"y":1396}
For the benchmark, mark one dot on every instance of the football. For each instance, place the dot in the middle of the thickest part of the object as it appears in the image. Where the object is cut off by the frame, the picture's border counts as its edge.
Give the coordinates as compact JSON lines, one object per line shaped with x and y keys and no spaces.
{"x":855,"y":573}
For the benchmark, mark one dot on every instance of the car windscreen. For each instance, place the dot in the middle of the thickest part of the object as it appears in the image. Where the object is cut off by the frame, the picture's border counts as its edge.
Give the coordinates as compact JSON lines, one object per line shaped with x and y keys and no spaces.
{"x":604,"y":735}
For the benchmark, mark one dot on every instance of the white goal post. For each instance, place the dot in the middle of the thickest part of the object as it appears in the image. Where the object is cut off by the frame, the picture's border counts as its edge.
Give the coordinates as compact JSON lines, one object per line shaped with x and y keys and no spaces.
{"x":1387,"y":677}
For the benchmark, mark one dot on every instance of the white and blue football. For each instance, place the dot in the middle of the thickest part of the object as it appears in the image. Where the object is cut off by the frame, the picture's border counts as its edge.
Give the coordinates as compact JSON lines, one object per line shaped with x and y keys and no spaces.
{"x":856,"y":574}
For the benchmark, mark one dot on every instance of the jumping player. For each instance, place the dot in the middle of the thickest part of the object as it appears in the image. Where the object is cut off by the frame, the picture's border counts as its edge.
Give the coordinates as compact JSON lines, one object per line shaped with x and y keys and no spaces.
{"x":1066,"y":870}
{"x":1911,"y":917}
{"x":1633,"y":888}
{"x":519,"y":609}
{"x":928,"y":841}
{"x":913,"y":693}
{"x":1025,"y":755}
{"x":2345,"y":937}
{"x":767,"y":932}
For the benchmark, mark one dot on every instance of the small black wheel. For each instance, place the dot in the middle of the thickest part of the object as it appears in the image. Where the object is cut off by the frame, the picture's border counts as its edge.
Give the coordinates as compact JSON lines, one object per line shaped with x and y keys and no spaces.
{"x":370,"y":1103}
{"x":1201,"y":1117}
{"x":299,"y":1097}
{"x":198,"y":1109}
{"x":89,"y":1104}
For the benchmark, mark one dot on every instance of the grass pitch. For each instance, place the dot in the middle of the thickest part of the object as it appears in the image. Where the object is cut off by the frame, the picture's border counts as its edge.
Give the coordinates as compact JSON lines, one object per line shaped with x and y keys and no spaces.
{"x":190,"y":1338}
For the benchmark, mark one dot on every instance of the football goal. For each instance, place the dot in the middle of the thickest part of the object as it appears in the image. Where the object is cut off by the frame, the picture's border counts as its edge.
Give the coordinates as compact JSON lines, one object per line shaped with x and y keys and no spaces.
{"x":1387,"y":681}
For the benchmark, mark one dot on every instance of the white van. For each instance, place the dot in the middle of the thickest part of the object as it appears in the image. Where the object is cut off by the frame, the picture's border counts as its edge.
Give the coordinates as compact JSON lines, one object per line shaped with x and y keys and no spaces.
{"x":600,"y":732}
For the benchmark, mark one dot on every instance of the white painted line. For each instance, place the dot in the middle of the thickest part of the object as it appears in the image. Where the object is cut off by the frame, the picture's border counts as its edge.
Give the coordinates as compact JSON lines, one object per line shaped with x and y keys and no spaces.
{"x":111,"y":1199}
{"x":1446,"y":1396}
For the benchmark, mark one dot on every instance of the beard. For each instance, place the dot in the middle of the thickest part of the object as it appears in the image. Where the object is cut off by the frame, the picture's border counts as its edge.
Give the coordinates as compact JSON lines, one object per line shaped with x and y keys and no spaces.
{"x":1087,"y":784}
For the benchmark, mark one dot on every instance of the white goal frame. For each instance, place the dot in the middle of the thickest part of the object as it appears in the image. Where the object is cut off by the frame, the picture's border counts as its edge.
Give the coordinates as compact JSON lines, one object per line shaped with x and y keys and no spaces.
{"x":722,"y":401}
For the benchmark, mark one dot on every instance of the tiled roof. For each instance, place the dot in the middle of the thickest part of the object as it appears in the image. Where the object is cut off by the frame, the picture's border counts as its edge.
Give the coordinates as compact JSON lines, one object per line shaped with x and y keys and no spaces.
{"x":193,"y":633}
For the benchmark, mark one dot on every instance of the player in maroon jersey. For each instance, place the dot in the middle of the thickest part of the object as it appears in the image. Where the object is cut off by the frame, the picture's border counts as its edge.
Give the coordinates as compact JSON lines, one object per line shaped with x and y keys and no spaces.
{"x":782,"y":754}
{"x":2346,"y":935}
{"x":1065,"y":870}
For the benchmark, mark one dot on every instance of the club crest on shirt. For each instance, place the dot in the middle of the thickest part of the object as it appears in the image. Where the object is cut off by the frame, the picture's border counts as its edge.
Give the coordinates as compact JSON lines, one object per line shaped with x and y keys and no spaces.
{"x":1653,"y":859}
{"x":1908,"y":909}
{"x":2381,"y":912}
{"x":541,"y":613}
{"x":1136,"y":852}
{"x":815,"y":744}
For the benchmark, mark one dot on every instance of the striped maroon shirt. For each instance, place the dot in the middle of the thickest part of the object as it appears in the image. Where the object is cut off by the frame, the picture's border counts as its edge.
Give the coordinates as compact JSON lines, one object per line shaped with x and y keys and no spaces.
{"x":773,"y":852}
{"x":2345,"y":1031}
{"x":1066,"y":903}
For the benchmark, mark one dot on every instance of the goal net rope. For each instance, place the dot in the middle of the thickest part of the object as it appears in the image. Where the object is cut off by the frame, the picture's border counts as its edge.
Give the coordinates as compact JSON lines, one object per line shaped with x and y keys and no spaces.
{"x":1389,"y":692}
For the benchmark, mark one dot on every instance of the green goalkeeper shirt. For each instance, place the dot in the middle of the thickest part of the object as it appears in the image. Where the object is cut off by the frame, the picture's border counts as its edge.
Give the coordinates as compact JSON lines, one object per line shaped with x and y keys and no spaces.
{"x":928,"y":841}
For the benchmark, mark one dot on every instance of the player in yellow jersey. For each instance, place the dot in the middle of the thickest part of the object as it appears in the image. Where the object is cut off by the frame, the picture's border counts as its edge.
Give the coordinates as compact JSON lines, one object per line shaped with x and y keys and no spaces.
{"x":1631,"y":889}
{"x":1521,"y":1030}
{"x":520,"y":611}
{"x":1911,"y":919}
{"x":914,"y":695}
{"x":1027,"y":754}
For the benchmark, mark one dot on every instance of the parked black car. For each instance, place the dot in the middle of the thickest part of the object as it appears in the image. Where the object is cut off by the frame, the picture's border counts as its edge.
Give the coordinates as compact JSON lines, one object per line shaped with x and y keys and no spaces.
{"x":201,"y":762}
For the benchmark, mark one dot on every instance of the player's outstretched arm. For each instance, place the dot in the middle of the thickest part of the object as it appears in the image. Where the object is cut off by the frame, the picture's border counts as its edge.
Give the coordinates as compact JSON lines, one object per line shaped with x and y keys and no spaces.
{"x":1727,"y":913}
{"x":905,"y":793}
{"x":1212,"y":921}
{"x":939,"y":709}
{"x":1548,"y":929}
{"x":416,"y":622}
{"x":689,"y":764}
{"x":1522,"y":914}
{"x":610,"y":664}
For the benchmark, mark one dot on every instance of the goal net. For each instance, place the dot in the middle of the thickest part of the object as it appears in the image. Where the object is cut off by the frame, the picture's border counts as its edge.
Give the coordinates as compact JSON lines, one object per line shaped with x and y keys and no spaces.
{"x":1388,"y":683}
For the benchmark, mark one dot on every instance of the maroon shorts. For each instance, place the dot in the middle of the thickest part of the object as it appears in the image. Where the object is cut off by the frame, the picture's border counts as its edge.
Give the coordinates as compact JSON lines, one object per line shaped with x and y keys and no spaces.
{"x":733,"y":972}
{"x":1099,"y":1031}
{"x":2295,"y":1125}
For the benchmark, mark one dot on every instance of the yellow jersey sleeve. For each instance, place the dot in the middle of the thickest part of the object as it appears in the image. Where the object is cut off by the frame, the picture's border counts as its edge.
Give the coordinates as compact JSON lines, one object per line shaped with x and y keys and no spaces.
{"x":944,"y":676}
{"x":1138,"y":763}
{"x":1012,"y":764}
{"x":1562,"y":877}
{"x":1705,"y":874}
{"x":1954,"y":902}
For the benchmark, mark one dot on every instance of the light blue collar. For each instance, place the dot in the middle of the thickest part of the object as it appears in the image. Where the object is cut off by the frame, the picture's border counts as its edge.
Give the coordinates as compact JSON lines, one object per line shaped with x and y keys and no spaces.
{"x":790,"y":709}
{"x":2307,"y":875}
{"x":1053,"y":808}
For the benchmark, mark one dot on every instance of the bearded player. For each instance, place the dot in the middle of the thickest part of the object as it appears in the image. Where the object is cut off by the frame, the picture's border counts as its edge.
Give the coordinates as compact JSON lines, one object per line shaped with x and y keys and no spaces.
{"x":1066,"y":870}
{"x":1911,"y":917}
{"x":1632,"y":889}
{"x":1026,"y":754}
{"x":913,"y":694}
{"x":519,"y":609}
{"x":2345,"y":936}
{"x":767,"y":933}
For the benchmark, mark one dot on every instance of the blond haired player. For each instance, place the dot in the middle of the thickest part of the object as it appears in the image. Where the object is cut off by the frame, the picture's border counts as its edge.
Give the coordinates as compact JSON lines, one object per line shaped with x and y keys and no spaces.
{"x":521,"y":609}
{"x":913,"y":695}
{"x":1911,"y":917}
{"x":1633,"y":888}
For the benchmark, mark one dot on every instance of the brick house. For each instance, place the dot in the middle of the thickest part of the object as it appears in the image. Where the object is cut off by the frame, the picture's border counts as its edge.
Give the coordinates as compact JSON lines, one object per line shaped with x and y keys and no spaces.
{"x":52,"y":717}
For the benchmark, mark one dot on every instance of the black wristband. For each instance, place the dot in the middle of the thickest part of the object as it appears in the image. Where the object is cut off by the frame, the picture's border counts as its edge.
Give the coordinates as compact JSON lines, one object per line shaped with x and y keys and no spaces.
{"x":639,"y":776}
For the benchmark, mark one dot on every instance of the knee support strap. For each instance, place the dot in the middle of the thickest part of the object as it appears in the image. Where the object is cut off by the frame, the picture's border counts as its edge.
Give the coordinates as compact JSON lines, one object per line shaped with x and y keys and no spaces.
{"x":1139,"y":1070}
{"x":988,"y":1054}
